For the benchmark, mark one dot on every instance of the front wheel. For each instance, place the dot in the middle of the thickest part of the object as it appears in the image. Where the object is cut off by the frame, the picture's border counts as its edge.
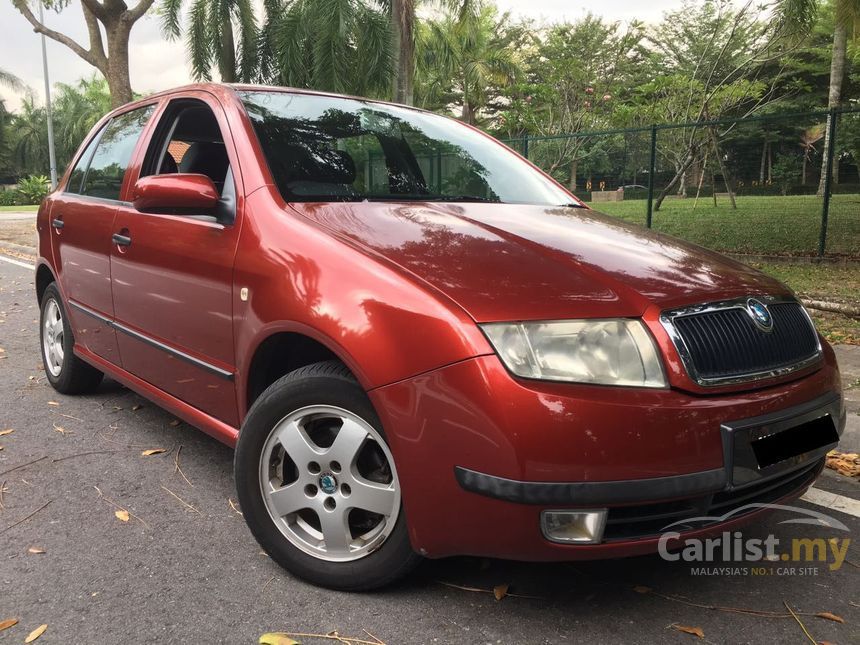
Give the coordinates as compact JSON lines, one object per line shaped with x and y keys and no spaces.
{"x":317,"y":483}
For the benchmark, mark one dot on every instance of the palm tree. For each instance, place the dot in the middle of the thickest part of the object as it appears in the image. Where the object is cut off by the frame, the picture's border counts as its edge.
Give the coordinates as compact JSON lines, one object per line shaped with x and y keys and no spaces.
{"x":77,"y":107}
{"x":461,"y":57}
{"x":211,"y":35}
{"x":30,"y":138}
{"x":11,"y":81}
{"x":403,"y":36}
{"x":334,"y":45}
{"x":798,"y":16}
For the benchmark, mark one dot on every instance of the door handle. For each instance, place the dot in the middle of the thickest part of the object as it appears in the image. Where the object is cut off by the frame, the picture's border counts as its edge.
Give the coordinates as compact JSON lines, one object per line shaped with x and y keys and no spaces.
{"x":57,"y":223}
{"x":121,"y":240}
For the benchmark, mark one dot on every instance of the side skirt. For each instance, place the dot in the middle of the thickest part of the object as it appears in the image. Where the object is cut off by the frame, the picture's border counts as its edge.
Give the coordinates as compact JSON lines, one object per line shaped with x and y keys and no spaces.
{"x":210,"y":425}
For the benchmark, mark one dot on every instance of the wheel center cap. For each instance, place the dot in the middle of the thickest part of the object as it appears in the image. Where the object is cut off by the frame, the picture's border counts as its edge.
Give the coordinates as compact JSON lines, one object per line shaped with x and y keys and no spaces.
{"x":328,"y":483}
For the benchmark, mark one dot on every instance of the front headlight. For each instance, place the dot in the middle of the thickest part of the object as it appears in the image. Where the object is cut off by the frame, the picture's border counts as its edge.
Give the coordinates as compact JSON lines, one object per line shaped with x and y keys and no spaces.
{"x":606,"y":352}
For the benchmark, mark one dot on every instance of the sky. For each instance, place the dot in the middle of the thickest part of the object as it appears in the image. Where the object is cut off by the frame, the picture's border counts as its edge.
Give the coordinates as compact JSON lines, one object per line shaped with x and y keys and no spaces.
{"x":157,"y":64}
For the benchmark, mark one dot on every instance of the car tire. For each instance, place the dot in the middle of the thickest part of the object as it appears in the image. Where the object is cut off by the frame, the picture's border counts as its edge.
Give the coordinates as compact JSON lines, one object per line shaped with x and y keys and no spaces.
{"x":297,"y":442}
{"x":67,"y":373}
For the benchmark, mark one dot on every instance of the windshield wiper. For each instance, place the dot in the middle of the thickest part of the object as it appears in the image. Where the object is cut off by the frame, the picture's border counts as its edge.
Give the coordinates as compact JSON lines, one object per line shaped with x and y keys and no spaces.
{"x":461,"y":198}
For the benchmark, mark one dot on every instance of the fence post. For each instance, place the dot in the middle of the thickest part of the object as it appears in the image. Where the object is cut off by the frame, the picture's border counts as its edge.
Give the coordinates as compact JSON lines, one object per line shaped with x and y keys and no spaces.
{"x":652,"y":169}
{"x":828,"y":181}
{"x":526,"y":146}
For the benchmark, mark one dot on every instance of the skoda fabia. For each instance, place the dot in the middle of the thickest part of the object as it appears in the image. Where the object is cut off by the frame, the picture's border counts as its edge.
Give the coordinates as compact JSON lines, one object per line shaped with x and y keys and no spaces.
{"x":419,"y":344}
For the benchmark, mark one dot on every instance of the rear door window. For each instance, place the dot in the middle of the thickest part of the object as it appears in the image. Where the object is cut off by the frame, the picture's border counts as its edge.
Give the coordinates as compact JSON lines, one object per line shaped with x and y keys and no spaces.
{"x":103,"y":178}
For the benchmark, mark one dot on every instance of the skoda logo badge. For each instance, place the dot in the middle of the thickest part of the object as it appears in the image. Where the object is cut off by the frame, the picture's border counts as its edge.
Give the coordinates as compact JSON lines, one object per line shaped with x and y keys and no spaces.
{"x":328,"y":484}
{"x":760,"y":314}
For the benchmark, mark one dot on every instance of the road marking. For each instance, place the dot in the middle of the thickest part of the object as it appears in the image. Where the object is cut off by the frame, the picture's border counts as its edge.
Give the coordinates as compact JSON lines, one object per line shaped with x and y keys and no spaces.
{"x":17,"y":263}
{"x":832,"y":501}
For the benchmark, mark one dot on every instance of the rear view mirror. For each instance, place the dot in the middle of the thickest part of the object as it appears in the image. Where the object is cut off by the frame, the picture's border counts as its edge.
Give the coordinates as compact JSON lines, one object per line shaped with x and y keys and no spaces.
{"x":176,"y":192}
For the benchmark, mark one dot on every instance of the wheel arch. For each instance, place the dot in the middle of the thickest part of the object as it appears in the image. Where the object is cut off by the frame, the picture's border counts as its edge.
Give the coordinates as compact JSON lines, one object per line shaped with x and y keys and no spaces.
{"x":284,"y":348}
{"x":44,"y":277}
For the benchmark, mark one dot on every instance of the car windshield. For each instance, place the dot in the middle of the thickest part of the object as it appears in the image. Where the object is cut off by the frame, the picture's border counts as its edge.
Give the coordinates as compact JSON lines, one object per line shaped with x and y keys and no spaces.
{"x":323,"y":148}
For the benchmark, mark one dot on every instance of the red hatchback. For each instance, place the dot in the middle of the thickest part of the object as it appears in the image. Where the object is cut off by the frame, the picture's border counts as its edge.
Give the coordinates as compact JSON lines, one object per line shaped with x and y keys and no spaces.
{"x":420,"y":344}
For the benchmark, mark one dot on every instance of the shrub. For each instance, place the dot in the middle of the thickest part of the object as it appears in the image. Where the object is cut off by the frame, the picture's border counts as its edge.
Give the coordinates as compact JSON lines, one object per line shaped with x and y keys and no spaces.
{"x":9,"y":198}
{"x":33,"y":189}
{"x":786,"y":172}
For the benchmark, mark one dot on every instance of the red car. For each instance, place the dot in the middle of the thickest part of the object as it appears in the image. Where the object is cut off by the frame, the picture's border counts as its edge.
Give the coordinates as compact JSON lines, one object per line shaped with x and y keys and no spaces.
{"x":419,"y":343}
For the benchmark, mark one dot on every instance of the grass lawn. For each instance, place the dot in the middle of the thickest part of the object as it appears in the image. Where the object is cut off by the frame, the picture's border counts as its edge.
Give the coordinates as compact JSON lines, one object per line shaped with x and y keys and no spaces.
{"x":19,"y":209}
{"x":760,"y":225}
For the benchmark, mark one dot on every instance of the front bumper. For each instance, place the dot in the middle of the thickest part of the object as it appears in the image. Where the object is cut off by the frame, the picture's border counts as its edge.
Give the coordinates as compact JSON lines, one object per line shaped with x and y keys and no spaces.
{"x":480,"y":454}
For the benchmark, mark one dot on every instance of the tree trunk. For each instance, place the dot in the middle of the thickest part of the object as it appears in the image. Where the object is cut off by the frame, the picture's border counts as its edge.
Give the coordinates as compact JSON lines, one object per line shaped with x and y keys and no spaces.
{"x":691,"y":155}
{"x":837,"y":73}
{"x":727,"y":178}
{"x":227,"y":53}
{"x":803,"y":169}
{"x":573,"y":171}
{"x":403,"y":37}
{"x":117,"y":74}
{"x":763,"y":167}
{"x":117,"y":20}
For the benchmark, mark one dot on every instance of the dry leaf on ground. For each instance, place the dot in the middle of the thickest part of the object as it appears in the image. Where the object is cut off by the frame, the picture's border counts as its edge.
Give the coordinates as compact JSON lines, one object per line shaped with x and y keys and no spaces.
{"x":122,"y":515}
{"x":36,"y":550}
{"x":52,"y":403}
{"x":136,"y":407}
{"x":829,"y":616}
{"x":500,"y":591}
{"x":9,"y":622}
{"x":276,"y":638}
{"x":153,"y":451}
{"x":3,"y":433}
{"x":36,"y":633}
{"x":695,"y":631}
{"x":844,"y":463}
{"x":175,"y":423}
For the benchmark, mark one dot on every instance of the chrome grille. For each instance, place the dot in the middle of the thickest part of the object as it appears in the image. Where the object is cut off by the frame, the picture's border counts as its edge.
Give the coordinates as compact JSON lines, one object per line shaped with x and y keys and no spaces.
{"x":720,"y":343}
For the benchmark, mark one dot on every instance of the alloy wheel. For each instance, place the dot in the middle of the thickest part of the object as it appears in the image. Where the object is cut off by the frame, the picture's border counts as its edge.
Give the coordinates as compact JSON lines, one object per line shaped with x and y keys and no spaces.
{"x":329,"y":484}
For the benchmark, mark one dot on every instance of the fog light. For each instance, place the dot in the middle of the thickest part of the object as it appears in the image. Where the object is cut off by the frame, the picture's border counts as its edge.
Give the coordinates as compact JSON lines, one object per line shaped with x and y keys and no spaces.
{"x":579,"y":527}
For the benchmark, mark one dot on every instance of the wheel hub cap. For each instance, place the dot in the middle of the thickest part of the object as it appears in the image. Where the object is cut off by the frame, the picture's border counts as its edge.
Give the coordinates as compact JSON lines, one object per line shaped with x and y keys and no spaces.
{"x":328,"y":483}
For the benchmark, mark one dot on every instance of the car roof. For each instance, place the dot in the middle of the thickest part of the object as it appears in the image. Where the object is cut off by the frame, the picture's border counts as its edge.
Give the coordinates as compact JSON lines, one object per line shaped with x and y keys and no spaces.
{"x":228,"y":91}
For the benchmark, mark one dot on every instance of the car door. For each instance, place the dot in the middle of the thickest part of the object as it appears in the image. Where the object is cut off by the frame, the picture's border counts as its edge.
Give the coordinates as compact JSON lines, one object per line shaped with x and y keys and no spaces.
{"x":82,"y":219}
{"x":172,"y":275}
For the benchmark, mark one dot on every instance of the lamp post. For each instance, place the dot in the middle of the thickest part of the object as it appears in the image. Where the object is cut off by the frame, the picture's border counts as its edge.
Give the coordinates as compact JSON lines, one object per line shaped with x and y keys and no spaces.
{"x":52,"y":157}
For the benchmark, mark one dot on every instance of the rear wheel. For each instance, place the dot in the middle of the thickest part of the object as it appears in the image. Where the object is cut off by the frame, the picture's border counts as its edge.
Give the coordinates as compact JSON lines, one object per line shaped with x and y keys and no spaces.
{"x":317,"y":482}
{"x":66,"y":372}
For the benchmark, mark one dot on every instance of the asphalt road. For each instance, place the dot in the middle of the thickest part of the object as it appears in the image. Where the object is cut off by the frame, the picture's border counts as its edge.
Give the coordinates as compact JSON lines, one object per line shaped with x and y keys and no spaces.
{"x":189,"y":571}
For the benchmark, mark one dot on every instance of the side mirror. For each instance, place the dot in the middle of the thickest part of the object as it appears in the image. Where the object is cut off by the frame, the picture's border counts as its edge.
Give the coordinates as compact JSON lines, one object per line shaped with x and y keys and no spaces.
{"x":181,"y":191}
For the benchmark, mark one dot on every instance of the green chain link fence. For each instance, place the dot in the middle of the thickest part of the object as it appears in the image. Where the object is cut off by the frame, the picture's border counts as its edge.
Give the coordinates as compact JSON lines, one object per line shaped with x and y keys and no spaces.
{"x":746,"y":186}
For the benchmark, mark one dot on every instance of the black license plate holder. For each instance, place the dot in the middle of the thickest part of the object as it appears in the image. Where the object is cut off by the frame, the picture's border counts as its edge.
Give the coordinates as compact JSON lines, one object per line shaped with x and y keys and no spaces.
{"x":764,"y":447}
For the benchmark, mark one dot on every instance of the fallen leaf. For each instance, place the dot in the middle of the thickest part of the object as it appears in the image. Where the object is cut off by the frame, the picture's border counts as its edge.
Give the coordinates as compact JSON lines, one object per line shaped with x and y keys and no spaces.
{"x":61,"y":429}
{"x":175,"y":422}
{"x":277,"y":638}
{"x":9,"y":622}
{"x":52,"y":403}
{"x":827,"y":615}
{"x":641,"y":589}
{"x":136,"y":407}
{"x":3,"y":433}
{"x":695,"y":631}
{"x":500,"y":591}
{"x":1,"y":447}
{"x":845,"y":463}
{"x":36,"y":550}
{"x":36,"y":633}
{"x":153,"y":451}
{"x":121,"y":515}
